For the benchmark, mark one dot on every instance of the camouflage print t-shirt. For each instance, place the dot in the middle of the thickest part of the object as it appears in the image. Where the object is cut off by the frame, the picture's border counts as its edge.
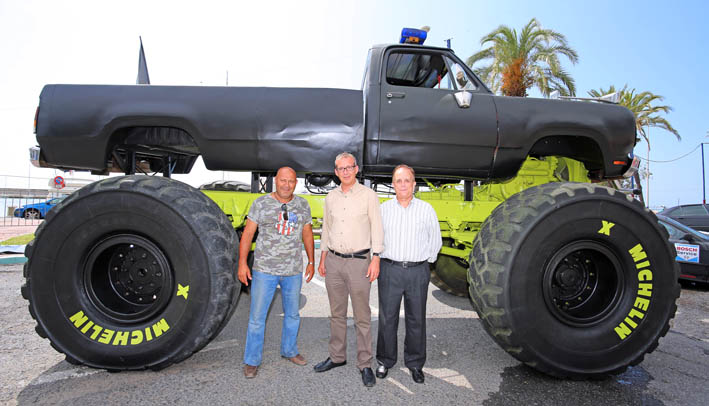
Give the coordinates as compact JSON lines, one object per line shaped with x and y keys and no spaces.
{"x":279,"y":245}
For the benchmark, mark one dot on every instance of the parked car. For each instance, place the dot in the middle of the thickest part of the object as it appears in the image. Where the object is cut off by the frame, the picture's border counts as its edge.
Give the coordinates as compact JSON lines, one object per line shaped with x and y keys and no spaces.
{"x":692,"y":215}
{"x":692,"y":250}
{"x":37,"y":210}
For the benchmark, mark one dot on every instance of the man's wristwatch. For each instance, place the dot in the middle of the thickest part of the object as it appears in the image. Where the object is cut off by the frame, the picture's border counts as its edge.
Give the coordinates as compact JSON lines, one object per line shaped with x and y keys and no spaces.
{"x":376,"y":254}
{"x":311,"y":263}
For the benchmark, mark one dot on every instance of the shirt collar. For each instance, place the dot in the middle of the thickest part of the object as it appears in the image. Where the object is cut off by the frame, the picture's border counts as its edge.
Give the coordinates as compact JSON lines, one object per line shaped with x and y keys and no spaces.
{"x":352,"y":189}
{"x":411,"y":203}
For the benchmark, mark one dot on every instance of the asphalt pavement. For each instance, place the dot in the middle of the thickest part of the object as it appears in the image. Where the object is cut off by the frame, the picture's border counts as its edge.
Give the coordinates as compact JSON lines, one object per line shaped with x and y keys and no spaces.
{"x":464,"y":365}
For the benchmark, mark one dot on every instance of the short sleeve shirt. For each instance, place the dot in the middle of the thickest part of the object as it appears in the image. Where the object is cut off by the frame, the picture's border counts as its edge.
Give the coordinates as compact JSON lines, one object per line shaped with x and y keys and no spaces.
{"x":279,"y":246}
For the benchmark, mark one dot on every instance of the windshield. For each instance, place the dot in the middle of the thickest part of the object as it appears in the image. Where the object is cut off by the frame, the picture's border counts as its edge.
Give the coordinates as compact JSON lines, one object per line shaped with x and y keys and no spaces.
{"x":366,"y":69}
{"x":677,"y":231}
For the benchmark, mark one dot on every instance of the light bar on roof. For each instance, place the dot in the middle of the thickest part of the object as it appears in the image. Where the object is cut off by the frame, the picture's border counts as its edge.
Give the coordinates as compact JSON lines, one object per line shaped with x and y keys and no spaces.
{"x":412,"y":36}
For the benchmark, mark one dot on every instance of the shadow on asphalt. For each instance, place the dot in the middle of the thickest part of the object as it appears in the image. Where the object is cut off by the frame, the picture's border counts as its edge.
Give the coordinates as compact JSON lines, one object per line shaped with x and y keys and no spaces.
{"x":694,"y":286}
{"x":457,"y":302}
{"x":523,"y":385}
{"x":464,"y":366}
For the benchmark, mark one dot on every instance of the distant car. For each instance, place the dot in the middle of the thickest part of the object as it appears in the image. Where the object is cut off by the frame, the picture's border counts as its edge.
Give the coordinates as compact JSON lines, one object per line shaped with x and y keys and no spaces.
{"x":692,"y":250}
{"x":37,"y":210}
{"x":692,"y":215}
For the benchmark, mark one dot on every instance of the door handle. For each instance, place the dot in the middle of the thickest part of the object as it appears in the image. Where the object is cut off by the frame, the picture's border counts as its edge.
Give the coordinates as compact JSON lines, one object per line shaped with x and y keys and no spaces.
{"x":395,"y":95}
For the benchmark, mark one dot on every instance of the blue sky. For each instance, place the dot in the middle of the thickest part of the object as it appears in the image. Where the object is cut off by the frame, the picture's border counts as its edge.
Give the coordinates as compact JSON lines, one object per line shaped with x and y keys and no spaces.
{"x":650,"y":45}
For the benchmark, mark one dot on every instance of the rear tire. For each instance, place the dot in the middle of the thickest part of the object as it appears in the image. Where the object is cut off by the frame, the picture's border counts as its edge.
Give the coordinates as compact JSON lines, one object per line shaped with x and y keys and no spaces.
{"x":575,"y":280}
{"x":132,"y":272}
{"x":449,"y":274}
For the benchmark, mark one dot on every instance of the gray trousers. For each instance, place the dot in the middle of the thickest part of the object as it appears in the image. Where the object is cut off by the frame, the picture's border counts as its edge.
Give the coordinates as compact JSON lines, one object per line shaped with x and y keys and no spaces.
{"x":346,"y":277}
{"x":411,"y":283}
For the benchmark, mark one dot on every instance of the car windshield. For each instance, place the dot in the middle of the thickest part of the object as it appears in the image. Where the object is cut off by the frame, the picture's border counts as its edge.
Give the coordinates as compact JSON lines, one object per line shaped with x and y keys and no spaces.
{"x":678,"y":230}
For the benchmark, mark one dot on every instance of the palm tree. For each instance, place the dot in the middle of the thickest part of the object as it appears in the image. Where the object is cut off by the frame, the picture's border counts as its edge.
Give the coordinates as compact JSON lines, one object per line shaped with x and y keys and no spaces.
{"x":641,"y":104}
{"x":519,"y":62}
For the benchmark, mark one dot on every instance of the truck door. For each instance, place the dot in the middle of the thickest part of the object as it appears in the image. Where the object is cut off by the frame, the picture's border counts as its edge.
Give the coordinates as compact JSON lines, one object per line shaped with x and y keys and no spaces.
{"x":422,"y":125}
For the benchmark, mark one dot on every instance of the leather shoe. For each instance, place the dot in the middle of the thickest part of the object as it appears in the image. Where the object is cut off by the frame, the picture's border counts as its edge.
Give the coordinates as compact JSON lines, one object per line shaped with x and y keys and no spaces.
{"x":417,"y":375}
{"x":368,"y":377}
{"x":382,"y":371}
{"x":297,"y":360}
{"x":328,"y":365}
{"x":250,"y":371}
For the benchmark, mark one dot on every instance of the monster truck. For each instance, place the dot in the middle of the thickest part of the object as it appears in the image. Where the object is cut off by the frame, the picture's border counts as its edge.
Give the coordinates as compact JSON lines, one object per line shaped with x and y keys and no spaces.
{"x":570,"y":277}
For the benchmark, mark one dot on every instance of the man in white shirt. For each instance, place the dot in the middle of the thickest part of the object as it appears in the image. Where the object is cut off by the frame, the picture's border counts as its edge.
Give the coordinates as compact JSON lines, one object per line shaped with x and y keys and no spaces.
{"x":412,"y":239}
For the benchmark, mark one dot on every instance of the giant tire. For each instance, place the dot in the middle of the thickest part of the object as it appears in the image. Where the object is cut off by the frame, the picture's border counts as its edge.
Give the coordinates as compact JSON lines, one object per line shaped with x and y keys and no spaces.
{"x":132,"y":272}
{"x":449,"y":274}
{"x":554,"y":285}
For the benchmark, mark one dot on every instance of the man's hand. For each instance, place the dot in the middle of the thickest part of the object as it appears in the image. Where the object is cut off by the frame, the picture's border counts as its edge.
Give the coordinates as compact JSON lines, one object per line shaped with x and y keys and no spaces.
{"x":244,"y":274}
{"x":373,"y":269}
{"x":321,"y":267}
{"x":309,"y":272}
{"x":247,"y":236}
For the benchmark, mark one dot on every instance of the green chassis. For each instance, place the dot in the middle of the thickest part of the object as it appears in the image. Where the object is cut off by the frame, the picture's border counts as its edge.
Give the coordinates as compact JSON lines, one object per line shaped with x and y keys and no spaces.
{"x":459,"y":220}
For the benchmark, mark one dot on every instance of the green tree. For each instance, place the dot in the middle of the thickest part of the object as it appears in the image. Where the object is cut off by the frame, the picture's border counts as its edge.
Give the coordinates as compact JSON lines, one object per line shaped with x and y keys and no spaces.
{"x":519,"y":62}
{"x":642,"y":105}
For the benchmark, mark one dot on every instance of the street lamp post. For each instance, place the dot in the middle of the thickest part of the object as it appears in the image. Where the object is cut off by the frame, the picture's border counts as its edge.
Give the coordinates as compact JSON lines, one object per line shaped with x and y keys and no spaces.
{"x":647,"y":170}
{"x":704,"y":193}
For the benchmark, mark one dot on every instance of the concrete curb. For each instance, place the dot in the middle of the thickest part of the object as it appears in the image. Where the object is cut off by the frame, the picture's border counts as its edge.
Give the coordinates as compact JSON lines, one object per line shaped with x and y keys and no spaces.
{"x":12,"y":259}
{"x":15,"y":254}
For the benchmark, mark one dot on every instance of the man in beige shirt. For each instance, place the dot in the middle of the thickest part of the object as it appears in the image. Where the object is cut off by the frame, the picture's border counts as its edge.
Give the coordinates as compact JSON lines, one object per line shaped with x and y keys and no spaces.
{"x":351,"y":235}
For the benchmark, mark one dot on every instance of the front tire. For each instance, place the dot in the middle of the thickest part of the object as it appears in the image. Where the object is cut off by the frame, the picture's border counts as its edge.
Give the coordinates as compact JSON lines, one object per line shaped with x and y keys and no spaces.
{"x":132,"y":272}
{"x":32,"y":214}
{"x":575,"y":280}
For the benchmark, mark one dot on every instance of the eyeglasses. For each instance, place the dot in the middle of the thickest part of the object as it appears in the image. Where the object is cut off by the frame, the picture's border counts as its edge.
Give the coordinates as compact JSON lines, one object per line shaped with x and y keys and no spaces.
{"x":284,"y":209}
{"x":346,"y":168}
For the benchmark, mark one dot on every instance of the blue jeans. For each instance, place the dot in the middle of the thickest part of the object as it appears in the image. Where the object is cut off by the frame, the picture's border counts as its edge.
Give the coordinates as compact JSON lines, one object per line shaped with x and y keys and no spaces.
{"x":263,"y":287}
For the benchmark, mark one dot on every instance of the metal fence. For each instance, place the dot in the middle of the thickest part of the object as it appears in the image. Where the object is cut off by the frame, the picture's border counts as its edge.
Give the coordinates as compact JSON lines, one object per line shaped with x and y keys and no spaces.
{"x":24,"y":200}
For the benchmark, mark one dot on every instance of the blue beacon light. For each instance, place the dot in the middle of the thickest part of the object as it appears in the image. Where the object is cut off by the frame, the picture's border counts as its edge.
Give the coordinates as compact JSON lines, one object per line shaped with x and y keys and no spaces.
{"x":412,"y":36}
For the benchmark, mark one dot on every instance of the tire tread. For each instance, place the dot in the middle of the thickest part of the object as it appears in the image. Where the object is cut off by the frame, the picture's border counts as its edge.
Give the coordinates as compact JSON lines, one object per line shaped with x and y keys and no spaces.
{"x":209,"y":223}
{"x":491,"y":252}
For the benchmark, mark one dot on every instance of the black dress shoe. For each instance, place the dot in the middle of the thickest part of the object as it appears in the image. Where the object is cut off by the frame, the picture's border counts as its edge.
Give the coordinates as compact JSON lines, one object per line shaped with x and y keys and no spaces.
{"x":417,"y":375}
{"x":368,"y":377}
{"x":382,"y":371}
{"x":328,"y":365}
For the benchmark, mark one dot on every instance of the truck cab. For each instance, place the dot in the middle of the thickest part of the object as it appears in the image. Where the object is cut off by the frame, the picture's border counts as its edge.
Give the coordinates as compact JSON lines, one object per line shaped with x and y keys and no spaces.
{"x":413,"y":115}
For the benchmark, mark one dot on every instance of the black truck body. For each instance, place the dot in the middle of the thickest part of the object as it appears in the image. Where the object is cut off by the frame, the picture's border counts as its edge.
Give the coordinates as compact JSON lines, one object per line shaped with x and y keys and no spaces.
{"x":388,"y":122}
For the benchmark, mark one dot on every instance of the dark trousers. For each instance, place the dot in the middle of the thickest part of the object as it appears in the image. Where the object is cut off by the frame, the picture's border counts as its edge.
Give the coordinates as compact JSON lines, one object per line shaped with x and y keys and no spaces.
{"x":411,"y":283}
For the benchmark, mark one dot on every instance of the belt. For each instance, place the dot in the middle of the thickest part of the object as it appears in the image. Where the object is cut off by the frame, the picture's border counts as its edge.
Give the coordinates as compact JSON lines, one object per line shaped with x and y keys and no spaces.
{"x":403,"y":264}
{"x":359,"y":254}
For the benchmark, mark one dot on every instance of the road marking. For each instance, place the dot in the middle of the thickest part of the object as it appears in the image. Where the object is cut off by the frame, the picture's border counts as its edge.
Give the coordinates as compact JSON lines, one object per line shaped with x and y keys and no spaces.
{"x":451,"y":376}
{"x":399,"y":385}
{"x":318,"y":282}
{"x":76,"y":372}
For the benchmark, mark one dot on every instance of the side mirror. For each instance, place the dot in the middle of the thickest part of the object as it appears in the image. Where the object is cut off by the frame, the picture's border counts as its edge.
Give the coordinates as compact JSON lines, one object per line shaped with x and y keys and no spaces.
{"x":463,"y":99}
{"x":688,"y":237}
